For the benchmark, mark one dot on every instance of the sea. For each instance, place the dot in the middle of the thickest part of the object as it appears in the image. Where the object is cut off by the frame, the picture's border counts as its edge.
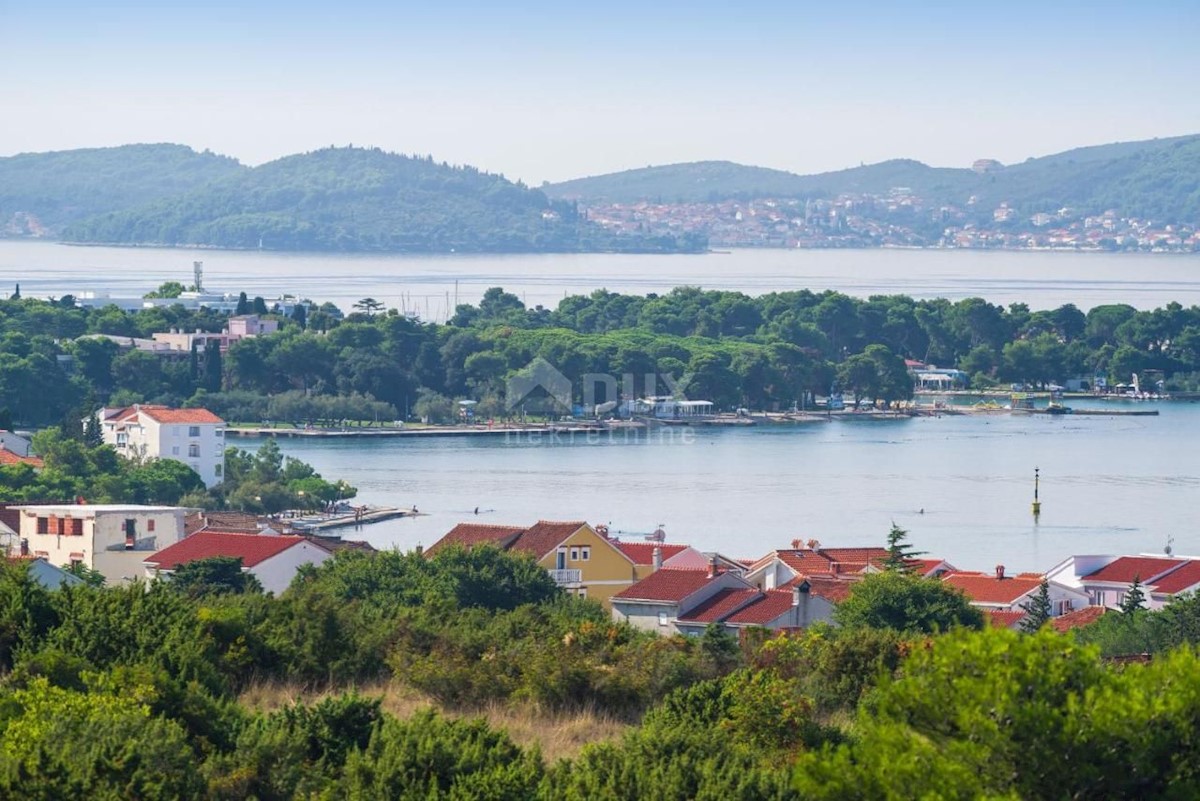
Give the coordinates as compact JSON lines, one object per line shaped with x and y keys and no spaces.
{"x":961,"y":485}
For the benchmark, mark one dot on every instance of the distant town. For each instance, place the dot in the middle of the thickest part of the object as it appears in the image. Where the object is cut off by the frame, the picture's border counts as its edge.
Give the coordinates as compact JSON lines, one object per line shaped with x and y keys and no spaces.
{"x":900,"y":218}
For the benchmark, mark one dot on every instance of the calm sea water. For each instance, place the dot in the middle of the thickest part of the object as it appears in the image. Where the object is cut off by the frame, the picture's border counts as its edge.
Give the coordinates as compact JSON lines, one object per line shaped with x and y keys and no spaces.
{"x":1109,"y":484}
{"x":428,"y":285}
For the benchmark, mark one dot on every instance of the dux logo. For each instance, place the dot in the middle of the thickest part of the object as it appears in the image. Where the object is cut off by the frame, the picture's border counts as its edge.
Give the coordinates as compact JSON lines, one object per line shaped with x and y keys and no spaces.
{"x":539,"y":386}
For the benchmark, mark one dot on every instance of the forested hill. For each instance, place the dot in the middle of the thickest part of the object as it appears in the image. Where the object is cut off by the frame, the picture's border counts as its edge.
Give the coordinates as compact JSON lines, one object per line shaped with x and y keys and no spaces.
{"x":1157,"y":179}
{"x":42,"y":192}
{"x":355,"y":199}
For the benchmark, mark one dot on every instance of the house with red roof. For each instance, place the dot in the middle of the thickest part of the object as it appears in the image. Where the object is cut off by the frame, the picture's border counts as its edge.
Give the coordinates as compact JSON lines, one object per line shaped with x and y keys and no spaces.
{"x":195,"y":437}
{"x":581,"y":559}
{"x":650,"y":556}
{"x":273,"y":560}
{"x":1107,"y":579}
{"x":777,"y":568}
{"x":656,"y":602}
{"x":9,"y":458}
{"x":1001,"y":592}
{"x":798,"y":606}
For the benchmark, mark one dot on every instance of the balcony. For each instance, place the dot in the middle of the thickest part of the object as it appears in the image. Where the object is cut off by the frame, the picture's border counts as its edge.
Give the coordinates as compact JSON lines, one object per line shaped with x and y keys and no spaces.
{"x":565,"y":576}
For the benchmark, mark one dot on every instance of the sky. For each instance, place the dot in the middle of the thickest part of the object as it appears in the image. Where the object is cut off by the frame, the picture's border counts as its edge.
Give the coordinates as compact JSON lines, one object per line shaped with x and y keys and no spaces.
{"x":556,"y":90}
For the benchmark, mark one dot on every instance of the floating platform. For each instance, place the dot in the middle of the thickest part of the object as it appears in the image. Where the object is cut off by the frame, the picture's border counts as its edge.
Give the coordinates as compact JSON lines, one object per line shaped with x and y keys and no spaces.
{"x":317,"y":524}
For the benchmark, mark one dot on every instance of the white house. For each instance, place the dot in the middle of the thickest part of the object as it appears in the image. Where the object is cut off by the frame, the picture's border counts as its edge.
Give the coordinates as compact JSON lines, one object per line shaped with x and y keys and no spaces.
{"x":195,"y":437}
{"x":112,"y":539}
{"x":655,"y":602}
{"x":999,"y":592}
{"x":1107,"y":579}
{"x":273,"y":560}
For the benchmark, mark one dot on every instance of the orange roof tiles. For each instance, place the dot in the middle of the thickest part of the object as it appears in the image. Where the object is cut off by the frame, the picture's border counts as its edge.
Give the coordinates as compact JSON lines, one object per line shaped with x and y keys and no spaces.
{"x":985,"y":588}
{"x":471,"y":534}
{"x":666,"y":585}
{"x":1004,"y":619}
{"x":1078,"y":618}
{"x":773,"y":604}
{"x":544,"y":536}
{"x":7,"y":457}
{"x":252,"y":548}
{"x":720,"y":606}
{"x":1127,"y":568}
{"x":163,"y":414}
{"x":1179,"y":580}
{"x":642,"y":553}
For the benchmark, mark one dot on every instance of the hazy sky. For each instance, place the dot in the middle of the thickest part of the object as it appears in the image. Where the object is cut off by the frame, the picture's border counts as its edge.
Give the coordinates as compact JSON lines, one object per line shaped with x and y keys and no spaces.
{"x":549,"y":91}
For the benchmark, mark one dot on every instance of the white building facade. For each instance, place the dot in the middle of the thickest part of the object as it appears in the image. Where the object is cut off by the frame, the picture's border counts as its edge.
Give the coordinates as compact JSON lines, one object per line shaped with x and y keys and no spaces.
{"x":110,"y":538}
{"x":195,"y":437}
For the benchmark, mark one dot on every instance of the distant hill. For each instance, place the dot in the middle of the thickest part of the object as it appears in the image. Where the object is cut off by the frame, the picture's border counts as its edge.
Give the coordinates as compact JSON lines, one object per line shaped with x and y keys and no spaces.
{"x":355,"y":199}
{"x":51,"y":190}
{"x":1158,"y":179}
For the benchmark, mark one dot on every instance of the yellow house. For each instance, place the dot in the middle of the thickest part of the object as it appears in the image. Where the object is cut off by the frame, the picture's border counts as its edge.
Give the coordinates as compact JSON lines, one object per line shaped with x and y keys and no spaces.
{"x":581,"y":561}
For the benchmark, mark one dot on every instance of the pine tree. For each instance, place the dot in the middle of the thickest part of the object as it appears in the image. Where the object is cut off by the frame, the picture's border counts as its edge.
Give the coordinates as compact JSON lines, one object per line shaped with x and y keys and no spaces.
{"x":92,"y":435}
{"x":16,"y":295}
{"x":1134,"y":598}
{"x":1037,"y":609}
{"x":243,"y":305}
{"x":900,"y":553}
{"x":212,"y":367}
{"x":300,"y":315}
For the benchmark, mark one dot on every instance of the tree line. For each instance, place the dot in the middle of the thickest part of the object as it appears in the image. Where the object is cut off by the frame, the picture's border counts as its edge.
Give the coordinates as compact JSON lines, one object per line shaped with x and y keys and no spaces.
{"x":766,"y":352}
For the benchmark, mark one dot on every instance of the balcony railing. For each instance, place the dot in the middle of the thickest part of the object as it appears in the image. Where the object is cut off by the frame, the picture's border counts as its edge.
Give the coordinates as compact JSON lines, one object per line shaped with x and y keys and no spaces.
{"x":565,"y":576}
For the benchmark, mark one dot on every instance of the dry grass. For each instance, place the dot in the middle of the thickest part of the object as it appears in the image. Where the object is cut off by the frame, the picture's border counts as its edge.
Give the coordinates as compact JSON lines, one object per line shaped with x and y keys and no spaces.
{"x":558,"y":736}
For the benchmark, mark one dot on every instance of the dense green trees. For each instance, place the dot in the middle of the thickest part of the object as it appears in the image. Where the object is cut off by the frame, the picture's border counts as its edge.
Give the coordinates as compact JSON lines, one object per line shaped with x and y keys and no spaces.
{"x":768,"y":352}
{"x":132,"y":692}
{"x":355,"y":199}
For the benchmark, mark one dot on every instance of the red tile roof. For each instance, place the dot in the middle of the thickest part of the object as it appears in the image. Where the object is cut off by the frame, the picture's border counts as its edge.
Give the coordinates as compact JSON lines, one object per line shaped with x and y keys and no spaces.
{"x":642,"y":553}
{"x":7,"y":457}
{"x":252,"y":548}
{"x":667,"y":585}
{"x":720,"y":606}
{"x":985,"y":588}
{"x":773,"y":604}
{"x":1127,"y":568}
{"x":471,"y":534}
{"x":924,"y":567}
{"x":1004,"y":619}
{"x":829,"y":561}
{"x":1179,"y":580}
{"x":1077,"y":618}
{"x":164,"y":414}
{"x":831,"y":589}
{"x":544,"y":536}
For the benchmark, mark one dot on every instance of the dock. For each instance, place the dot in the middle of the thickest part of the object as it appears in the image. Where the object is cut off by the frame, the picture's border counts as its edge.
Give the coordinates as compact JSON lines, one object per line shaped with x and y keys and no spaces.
{"x":385,"y":433}
{"x":315,"y":524}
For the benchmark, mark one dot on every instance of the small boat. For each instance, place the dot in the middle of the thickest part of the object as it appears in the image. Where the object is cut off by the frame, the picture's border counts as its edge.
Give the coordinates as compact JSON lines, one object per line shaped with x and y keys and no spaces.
{"x":1058,"y":408}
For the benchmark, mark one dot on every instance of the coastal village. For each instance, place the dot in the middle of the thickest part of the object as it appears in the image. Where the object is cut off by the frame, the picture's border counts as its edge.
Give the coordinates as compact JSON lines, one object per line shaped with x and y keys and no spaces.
{"x":898,"y":218}
{"x":656,"y":586}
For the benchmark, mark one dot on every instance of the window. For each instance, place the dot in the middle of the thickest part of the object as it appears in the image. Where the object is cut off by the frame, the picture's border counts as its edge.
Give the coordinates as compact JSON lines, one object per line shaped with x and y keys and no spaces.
{"x":76,"y":563}
{"x":43,"y":525}
{"x":574,"y":554}
{"x":193,"y":431}
{"x":585,"y":554}
{"x":220,"y":433}
{"x":75,"y":527}
{"x":150,"y":525}
{"x":219,"y":469}
{"x":662,"y":618}
{"x":122,"y":440}
{"x":193,"y":450}
{"x":174,"y":450}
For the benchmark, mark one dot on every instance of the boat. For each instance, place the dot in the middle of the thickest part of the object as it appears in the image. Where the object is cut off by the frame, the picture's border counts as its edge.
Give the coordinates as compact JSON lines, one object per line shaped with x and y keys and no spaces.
{"x":1058,"y":408}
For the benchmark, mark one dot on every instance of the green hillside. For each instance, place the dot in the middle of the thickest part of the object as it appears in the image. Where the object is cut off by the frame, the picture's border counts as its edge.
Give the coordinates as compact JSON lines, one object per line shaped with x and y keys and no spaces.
{"x":1158,"y":179}
{"x":354,"y":199}
{"x":59,"y":188}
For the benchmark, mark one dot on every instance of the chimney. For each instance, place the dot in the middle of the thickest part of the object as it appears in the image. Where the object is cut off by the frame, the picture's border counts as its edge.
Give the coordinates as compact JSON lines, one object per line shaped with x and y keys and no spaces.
{"x":712,"y":567}
{"x":656,"y":558}
{"x":799,"y":591}
{"x":796,"y":543}
{"x":1000,"y":572}
{"x":813,"y":545}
